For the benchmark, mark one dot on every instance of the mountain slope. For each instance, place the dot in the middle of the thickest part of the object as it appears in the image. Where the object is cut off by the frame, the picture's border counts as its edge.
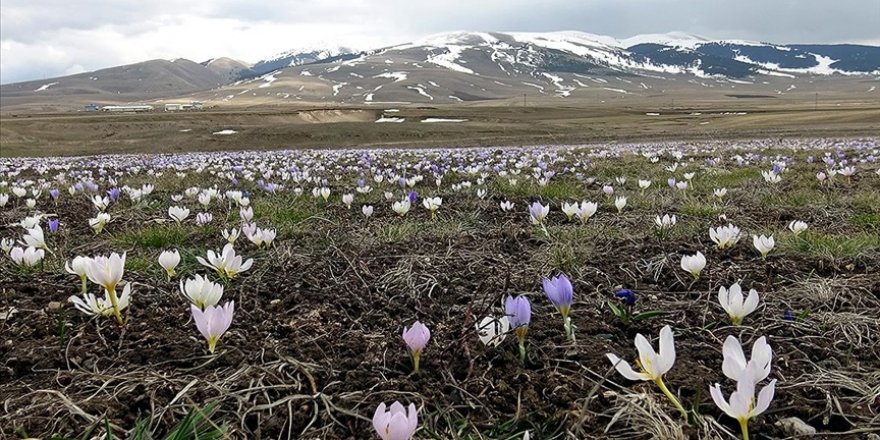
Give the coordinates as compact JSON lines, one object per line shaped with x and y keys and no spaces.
{"x":229,"y":69}
{"x":133,"y":82}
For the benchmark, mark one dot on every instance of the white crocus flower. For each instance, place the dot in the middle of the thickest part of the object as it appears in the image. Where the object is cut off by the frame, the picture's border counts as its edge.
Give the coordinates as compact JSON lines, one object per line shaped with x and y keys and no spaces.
{"x":107,"y":273}
{"x":97,"y":306}
{"x":666,"y":222}
{"x":178,"y":213}
{"x":246,"y":213}
{"x":205,"y":199}
{"x":507,"y":206}
{"x":735,"y":305}
{"x":764,"y":244}
{"x":203,"y":218}
{"x":743,"y":405}
{"x":201,"y":291}
{"x":587,"y":210}
{"x":401,"y":207}
{"x":230,"y":235}
{"x":169,"y":261}
{"x":101,"y":203}
{"x":432,"y":204}
{"x":725,"y":236}
{"x":570,"y":210}
{"x":29,"y":257}
{"x":771,"y":177}
{"x":644,"y":184}
{"x":694,"y":264}
{"x":99,"y":222}
{"x":79,"y":266}
{"x":619,"y":203}
{"x":225,"y":262}
{"x":653,"y":364}
{"x":31,"y":221}
{"x":4,"y":199}
{"x":797,"y":227}
{"x":35,"y":238}
{"x":735,"y":364}
{"x":347,"y":200}
{"x":720,"y":192}
{"x":367,"y":210}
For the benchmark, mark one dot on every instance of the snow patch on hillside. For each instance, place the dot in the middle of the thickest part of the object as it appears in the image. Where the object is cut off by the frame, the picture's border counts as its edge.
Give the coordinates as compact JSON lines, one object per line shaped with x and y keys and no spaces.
{"x":46,"y":86}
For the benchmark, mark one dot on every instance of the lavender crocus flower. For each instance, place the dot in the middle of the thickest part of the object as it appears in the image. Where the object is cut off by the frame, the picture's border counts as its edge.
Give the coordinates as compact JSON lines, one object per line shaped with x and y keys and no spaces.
{"x":54,"y":193}
{"x":416,"y":338}
{"x":413,"y":196}
{"x":519,"y":314}
{"x":114,"y":193}
{"x":54,"y":223}
{"x":560,"y":292}
{"x":213,"y":321}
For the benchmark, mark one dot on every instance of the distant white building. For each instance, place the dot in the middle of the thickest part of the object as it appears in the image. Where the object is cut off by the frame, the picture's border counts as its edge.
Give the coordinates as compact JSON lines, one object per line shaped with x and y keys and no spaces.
{"x":127,"y":108}
{"x":174,"y":107}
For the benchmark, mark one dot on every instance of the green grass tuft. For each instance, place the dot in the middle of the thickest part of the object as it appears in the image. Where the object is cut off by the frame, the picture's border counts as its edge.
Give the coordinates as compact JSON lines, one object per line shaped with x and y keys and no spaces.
{"x":831,"y":246}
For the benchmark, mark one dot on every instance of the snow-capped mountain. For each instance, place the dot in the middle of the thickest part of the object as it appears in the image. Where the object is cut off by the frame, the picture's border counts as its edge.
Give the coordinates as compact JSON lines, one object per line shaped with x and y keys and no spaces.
{"x":299,"y":56}
{"x":481,"y":66}
{"x":477,"y":66}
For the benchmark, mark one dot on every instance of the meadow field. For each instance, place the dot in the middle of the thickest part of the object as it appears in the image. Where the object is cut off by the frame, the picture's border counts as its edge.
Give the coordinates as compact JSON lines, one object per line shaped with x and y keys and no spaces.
{"x":288,"y":294}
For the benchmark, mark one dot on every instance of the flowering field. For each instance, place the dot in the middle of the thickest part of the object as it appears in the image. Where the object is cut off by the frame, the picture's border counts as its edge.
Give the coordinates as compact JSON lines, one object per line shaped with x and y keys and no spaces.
{"x":672,"y":290}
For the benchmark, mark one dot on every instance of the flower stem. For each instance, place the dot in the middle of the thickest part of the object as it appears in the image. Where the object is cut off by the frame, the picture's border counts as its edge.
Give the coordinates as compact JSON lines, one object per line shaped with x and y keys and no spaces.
{"x":569,"y":330}
{"x":522,"y":351}
{"x":416,"y":357}
{"x":114,"y":301}
{"x":744,"y":426}
{"x":659,"y":382}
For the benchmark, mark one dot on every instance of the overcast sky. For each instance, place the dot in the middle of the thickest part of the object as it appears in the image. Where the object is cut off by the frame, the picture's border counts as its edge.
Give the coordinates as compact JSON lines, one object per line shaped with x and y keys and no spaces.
{"x":45,"y":38}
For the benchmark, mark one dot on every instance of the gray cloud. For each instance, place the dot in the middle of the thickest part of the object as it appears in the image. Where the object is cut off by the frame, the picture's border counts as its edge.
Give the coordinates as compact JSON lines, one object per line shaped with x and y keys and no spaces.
{"x":44,"y":38}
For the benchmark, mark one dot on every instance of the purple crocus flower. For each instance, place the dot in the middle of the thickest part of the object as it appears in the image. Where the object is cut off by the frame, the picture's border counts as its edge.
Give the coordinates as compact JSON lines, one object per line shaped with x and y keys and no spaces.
{"x":560,"y":292}
{"x":114,"y":193}
{"x":413,"y":196}
{"x":53,"y":225}
{"x":671,"y":182}
{"x":787,"y":315}
{"x":628,"y":296}
{"x":519,"y":312}
{"x":776,"y":168}
{"x":54,"y":193}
